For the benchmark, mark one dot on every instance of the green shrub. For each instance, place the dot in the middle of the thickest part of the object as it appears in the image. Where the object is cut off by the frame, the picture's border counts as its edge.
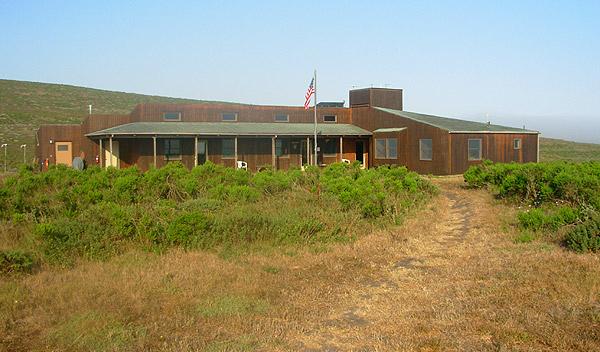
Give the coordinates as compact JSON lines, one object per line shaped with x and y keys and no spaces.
{"x":535,"y":183}
{"x":562,"y":193}
{"x":188,"y":229}
{"x":272,"y":182}
{"x":585,"y":237}
{"x":15,"y":261}
{"x":533,"y":219}
{"x":97,"y":213}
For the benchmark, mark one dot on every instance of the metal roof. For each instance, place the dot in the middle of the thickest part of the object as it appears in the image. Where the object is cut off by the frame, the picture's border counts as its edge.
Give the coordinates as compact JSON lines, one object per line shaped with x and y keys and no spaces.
{"x":230,"y":128}
{"x":455,"y":125}
{"x":392,"y":129}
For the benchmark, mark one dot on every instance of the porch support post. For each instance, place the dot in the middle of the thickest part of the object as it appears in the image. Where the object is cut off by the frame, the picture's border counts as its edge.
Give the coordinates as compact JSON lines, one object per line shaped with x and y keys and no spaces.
{"x":273,"y":151}
{"x":154,"y":151}
{"x":235,"y":140}
{"x":110,"y":146}
{"x":101,"y":155}
{"x":308,"y":151}
{"x":195,"y":150}
{"x":341,"y":148}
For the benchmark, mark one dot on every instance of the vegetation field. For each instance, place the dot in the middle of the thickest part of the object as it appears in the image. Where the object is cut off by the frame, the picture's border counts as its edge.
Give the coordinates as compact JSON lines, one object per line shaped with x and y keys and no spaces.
{"x":320,"y":273}
{"x":561,"y":199}
{"x":557,"y":149}
{"x":63,"y":215}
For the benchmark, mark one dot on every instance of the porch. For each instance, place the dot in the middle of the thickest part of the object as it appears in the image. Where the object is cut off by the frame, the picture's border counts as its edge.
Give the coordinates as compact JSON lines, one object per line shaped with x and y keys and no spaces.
{"x":125,"y":147}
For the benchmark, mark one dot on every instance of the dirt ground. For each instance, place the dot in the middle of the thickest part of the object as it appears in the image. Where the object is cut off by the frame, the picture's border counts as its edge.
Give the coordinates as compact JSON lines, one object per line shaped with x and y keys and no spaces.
{"x":451,"y":278}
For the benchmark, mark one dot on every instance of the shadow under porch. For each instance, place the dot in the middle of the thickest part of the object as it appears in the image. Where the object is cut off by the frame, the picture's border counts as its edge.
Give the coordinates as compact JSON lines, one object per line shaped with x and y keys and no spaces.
{"x":257,"y":152}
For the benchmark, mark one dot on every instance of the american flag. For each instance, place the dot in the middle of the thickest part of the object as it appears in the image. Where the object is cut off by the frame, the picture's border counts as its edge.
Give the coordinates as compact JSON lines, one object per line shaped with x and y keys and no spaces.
{"x":309,"y":93}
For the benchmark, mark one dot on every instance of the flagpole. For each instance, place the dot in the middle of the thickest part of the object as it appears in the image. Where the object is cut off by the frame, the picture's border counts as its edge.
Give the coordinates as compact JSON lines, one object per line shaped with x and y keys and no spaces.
{"x":315,"y":78}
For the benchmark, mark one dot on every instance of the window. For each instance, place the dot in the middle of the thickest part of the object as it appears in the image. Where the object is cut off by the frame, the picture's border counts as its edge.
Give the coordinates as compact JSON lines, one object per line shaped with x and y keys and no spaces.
{"x":282,"y":118}
{"x":282,"y":147}
{"x":228,"y":148}
{"x":229,"y":116}
{"x":425,"y":149}
{"x":172,"y":116}
{"x":172,"y":149}
{"x":392,"y":148}
{"x":386,"y":148}
{"x":474,"y":149}
{"x":330,"y":147}
{"x":62,"y":147}
{"x":517,"y":143}
{"x":329,"y":118}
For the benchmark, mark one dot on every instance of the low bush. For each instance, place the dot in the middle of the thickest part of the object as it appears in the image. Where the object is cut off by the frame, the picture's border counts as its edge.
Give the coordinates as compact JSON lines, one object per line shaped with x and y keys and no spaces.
{"x":15,"y":261}
{"x":97,"y":213}
{"x":561,"y":194}
{"x":541,"y":219}
{"x":585,"y":237}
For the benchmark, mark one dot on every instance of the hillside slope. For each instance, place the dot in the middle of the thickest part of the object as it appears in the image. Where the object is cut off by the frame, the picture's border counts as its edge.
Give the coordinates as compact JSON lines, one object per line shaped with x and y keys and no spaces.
{"x":558,"y":149}
{"x":26,"y":105}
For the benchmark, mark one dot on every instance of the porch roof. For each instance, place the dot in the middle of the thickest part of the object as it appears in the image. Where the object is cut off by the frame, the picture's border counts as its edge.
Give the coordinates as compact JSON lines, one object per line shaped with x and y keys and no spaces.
{"x":230,"y":128}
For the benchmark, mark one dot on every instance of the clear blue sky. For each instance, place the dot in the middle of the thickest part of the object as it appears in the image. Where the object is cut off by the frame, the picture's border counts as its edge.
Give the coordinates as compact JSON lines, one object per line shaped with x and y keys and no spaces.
{"x":533,"y":63}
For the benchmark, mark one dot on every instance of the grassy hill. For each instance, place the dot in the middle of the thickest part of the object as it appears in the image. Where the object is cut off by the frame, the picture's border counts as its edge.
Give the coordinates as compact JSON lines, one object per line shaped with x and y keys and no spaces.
{"x":558,"y":149}
{"x":26,"y":105}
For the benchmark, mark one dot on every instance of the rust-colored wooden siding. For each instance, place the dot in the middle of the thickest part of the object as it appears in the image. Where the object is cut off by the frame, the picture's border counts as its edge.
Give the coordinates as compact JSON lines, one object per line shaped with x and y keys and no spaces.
{"x":245,"y":113}
{"x":401,"y":151}
{"x":57,"y":133}
{"x":94,"y":123}
{"x":360,"y":97}
{"x":380,"y":97}
{"x":254,"y":151}
{"x":372,"y":119}
{"x":387,"y":98}
{"x":497,"y":147}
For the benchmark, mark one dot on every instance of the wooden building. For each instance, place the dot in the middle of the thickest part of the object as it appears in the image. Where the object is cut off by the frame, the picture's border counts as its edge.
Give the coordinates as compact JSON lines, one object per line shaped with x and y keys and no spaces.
{"x":374,"y":130}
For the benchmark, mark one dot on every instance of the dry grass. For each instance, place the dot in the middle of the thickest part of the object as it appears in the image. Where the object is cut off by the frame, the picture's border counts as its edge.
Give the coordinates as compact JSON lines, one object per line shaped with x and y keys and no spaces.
{"x":452,"y":278}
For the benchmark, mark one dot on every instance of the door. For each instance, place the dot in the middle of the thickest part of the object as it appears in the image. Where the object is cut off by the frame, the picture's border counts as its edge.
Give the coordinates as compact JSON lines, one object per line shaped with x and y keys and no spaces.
{"x":64,"y":153}
{"x":360,"y":152}
{"x":112,"y":160}
{"x":202,"y":149}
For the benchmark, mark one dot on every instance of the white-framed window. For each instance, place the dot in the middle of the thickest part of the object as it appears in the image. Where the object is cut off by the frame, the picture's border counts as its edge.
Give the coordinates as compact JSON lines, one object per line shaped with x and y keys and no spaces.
{"x":474,"y":145}
{"x":282,"y":118}
{"x":425,"y":149}
{"x":229,"y":116}
{"x":172,"y":116}
{"x":329,"y":118}
{"x":386,"y":148}
{"x":228,"y":148}
{"x":517,"y":143}
{"x":172,"y":148}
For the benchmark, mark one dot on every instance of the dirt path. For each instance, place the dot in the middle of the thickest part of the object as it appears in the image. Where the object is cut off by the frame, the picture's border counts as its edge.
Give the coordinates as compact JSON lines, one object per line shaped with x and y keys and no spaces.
{"x":417,"y":292}
{"x":404,"y":289}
